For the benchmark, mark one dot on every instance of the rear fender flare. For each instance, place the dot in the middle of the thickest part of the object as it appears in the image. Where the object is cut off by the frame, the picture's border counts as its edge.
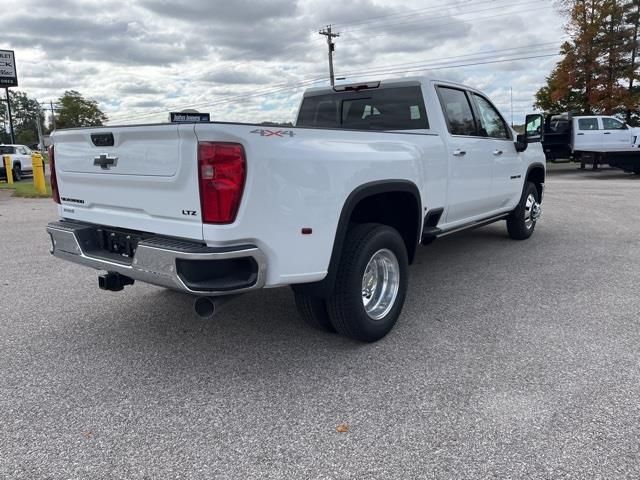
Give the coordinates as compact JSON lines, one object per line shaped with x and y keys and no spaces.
{"x":324,"y":287}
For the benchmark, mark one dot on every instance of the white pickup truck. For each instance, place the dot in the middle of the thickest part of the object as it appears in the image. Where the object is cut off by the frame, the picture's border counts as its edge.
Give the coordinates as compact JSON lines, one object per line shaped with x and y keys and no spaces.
{"x":20,"y":158}
{"x":334,"y":207}
{"x":592,"y":139}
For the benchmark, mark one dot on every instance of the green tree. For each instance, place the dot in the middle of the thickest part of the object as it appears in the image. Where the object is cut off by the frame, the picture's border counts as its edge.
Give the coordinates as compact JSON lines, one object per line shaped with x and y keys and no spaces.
{"x":609,"y":94}
{"x":26,"y":113}
{"x":630,"y":72}
{"x":598,"y":68}
{"x":564,"y":92}
{"x":76,"y":111}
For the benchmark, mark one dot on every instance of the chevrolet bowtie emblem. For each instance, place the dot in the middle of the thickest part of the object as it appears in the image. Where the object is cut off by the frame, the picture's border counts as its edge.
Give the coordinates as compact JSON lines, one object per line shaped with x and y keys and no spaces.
{"x":105,"y":161}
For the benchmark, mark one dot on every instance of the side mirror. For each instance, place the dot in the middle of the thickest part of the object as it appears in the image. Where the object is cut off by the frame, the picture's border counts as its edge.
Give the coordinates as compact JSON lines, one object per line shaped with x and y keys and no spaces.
{"x":533,"y":131}
{"x":521,"y":143}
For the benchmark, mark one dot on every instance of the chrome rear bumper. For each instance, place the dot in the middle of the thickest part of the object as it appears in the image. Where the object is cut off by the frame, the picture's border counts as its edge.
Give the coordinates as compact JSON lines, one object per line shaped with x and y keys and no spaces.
{"x":177,"y":264}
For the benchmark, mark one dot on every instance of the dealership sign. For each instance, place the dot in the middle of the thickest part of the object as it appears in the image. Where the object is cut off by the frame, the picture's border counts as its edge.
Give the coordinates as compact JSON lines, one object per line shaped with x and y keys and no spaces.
{"x":189,"y":117}
{"x":8,"y":74}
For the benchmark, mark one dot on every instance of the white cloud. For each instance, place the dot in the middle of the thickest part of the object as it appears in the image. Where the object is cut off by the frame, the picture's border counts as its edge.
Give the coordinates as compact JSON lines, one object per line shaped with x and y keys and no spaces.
{"x":146,"y":57}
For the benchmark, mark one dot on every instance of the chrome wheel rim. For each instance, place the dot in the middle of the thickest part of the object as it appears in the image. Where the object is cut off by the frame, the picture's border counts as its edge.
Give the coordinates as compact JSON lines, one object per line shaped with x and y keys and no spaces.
{"x":380,"y":284}
{"x":532,"y":211}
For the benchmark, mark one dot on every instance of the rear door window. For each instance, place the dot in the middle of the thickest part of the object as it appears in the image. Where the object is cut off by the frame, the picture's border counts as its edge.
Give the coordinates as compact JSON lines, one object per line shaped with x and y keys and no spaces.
{"x":400,"y":108}
{"x":588,"y":124}
{"x":457,"y":111}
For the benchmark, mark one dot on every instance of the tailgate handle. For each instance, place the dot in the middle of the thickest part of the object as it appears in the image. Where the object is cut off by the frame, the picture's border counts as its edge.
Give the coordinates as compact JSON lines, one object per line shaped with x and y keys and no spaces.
{"x":102,"y":139}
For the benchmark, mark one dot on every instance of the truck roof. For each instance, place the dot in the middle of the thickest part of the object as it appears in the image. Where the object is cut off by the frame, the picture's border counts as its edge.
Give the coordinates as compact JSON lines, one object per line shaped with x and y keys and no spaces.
{"x":389,"y":82}
{"x":593,"y":116}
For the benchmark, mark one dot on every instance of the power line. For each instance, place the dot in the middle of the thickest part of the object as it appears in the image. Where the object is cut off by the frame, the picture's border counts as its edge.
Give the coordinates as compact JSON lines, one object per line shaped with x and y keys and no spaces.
{"x":437,"y":65}
{"x":413,"y":19}
{"x":529,"y":48}
{"x":307,"y":82}
{"x":409,"y":13}
{"x":426,"y":25}
{"x":240,"y":97}
{"x":474,"y":64}
{"x":312,"y":81}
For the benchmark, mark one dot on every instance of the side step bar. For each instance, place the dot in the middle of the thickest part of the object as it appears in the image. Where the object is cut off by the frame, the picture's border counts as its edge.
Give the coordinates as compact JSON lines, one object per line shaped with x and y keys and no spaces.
{"x":429,"y":233}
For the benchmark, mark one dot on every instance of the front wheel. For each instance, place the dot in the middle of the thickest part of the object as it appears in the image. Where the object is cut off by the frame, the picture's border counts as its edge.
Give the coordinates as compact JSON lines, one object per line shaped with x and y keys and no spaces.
{"x":522,"y":221}
{"x":371,"y":283}
{"x":17,"y":173}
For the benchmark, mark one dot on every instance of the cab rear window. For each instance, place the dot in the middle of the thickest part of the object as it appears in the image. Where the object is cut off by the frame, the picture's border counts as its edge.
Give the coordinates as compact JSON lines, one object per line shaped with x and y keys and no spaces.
{"x":399,"y":108}
{"x":6,"y":150}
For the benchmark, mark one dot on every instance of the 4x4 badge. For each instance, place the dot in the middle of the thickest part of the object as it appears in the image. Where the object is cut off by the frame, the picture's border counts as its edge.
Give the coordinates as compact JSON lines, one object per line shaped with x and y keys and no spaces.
{"x":273,"y":133}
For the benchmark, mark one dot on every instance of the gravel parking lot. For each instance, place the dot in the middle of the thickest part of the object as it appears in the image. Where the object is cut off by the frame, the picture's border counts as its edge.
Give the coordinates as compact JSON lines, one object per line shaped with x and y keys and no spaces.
{"x":511,"y":360}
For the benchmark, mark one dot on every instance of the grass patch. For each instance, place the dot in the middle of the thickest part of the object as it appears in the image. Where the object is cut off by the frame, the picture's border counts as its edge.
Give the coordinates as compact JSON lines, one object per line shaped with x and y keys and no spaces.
{"x":25,"y":189}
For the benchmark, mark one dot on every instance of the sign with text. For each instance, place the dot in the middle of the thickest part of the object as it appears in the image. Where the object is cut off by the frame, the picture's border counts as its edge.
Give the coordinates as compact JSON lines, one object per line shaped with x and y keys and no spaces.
{"x":8,"y":73}
{"x":183,"y":117}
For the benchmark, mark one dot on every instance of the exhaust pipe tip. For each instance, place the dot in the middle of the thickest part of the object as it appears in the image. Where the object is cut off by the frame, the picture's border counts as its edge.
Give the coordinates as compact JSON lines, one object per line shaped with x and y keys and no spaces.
{"x":204,"y":307}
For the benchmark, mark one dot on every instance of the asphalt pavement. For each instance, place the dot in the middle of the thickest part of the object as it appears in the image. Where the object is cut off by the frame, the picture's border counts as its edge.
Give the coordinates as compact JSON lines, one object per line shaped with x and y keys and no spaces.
{"x":511,"y":360}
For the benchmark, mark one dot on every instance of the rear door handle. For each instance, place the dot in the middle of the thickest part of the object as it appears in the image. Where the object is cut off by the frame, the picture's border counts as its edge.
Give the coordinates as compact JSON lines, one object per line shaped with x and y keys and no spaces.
{"x":459,"y":153}
{"x":607,"y":133}
{"x":497,"y":152}
{"x":580,"y":134}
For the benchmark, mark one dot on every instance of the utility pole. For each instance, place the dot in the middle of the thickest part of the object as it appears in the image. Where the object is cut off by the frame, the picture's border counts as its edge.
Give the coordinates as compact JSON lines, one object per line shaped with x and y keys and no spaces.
{"x":511,"y":90}
{"x":332,"y":46}
{"x":13,"y":137}
{"x":39,"y":126}
{"x":53,"y":116}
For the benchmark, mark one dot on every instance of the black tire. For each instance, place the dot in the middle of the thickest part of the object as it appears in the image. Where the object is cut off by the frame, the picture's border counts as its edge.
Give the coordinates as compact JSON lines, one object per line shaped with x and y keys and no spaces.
{"x":312,"y":310}
{"x":17,"y":173}
{"x":520,"y":225}
{"x":346,"y":306}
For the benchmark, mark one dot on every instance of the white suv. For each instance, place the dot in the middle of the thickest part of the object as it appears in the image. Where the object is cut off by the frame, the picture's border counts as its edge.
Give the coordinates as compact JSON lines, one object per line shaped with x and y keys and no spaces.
{"x":20,"y":160}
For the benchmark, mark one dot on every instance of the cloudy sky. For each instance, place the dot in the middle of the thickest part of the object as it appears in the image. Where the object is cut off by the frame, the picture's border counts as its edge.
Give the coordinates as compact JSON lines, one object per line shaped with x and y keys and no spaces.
{"x":250,"y":60}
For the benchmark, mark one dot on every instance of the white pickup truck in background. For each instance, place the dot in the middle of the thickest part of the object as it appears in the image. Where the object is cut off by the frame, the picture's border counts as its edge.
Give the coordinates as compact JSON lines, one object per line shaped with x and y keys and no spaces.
{"x":334,"y":207}
{"x":20,"y":159}
{"x":592,"y":139}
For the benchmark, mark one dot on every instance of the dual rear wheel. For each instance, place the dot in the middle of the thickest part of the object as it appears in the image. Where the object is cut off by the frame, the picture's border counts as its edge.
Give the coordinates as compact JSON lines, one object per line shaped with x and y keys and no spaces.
{"x":371,"y":284}
{"x":371,"y":278}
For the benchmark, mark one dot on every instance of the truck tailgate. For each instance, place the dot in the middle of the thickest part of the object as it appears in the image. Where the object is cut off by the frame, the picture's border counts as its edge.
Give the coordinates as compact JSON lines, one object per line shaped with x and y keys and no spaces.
{"x":141,"y":177}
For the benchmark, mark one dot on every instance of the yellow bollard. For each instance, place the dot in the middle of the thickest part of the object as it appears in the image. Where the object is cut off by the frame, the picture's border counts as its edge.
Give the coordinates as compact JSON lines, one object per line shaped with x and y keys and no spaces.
{"x":38,"y":173}
{"x":8,"y":168}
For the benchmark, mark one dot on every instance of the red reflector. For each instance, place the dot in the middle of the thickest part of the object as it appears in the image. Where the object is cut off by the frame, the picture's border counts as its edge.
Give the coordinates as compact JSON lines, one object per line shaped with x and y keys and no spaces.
{"x":222,"y":172}
{"x":54,"y":179}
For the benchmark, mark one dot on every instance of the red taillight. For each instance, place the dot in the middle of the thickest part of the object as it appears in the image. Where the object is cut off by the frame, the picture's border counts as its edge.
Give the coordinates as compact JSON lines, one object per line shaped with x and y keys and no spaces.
{"x":222,"y":170}
{"x":54,"y":180}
